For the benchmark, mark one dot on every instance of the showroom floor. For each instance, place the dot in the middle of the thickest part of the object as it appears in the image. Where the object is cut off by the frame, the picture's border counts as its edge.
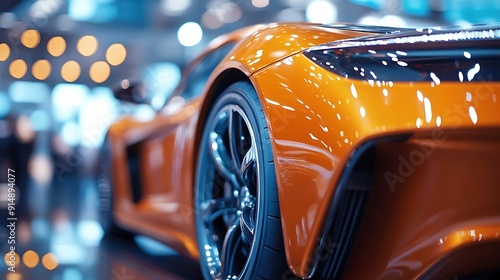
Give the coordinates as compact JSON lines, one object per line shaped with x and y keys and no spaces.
{"x":57,"y":237}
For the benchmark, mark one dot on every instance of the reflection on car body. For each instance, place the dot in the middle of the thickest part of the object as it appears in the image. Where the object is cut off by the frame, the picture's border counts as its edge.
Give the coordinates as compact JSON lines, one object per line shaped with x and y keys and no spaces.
{"x":309,"y":151}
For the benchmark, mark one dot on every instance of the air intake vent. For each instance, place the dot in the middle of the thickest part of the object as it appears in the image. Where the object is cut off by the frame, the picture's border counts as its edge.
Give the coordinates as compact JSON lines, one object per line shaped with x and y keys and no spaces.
{"x":346,"y":213}
{"x":343,"y":232}
{"x":133,"y":157}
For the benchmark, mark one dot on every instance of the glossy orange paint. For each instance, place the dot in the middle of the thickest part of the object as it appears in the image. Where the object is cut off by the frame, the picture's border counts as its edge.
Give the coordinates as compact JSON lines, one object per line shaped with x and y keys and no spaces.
{"x":334,"y":116}
{"x":442,"y":209}
{"x":277,"y":41}
{"x":317,"y":120}
{"x":165,"y":211}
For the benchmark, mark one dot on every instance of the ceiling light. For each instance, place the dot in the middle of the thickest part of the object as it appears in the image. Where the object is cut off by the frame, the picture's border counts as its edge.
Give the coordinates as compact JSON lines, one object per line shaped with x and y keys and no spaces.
{"x":321,"y":11}
{"x":175,"y":7}
{"x":190,"y":34}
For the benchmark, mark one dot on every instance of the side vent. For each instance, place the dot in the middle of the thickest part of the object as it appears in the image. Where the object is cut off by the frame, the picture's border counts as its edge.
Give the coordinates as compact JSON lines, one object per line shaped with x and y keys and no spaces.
{"x":133,"y":155}
{"x":345,"y":218}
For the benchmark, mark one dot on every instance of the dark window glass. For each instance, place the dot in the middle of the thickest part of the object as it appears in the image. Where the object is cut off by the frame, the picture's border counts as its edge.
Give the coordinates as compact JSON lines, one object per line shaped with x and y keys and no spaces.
{"x":197,"y":78}
{"x":443,"y":61}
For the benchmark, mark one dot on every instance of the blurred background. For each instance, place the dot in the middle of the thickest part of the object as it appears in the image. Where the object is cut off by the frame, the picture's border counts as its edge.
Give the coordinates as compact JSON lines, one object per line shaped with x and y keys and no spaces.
{"x":60,"y":59}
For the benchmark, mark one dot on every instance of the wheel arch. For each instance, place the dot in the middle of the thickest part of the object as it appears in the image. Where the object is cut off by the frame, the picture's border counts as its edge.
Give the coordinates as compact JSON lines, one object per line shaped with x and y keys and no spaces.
{"x":220,"y":83}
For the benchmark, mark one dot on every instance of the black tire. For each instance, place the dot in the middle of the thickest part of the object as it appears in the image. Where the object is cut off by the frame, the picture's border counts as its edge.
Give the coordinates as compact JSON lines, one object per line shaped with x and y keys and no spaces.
{"x":236,"y":199}
{"x":104,"y":183}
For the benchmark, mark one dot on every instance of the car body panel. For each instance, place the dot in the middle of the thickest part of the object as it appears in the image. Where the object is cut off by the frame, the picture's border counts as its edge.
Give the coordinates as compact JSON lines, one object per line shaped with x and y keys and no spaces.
{"x":161,"y":207}
{"x":317,"y":121}
{"x":180,"y":115}
{"x":333,"y":117}
{"x":439,"y":222}
{"x":277,"y":41}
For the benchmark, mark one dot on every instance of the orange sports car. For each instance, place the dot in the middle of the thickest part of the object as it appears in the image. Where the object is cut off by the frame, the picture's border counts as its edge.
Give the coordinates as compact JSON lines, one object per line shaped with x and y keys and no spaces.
{"x":296,"y":151}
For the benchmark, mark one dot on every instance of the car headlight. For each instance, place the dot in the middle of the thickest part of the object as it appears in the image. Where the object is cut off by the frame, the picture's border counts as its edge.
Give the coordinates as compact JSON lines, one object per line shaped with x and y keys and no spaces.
{"x":417,"y":56}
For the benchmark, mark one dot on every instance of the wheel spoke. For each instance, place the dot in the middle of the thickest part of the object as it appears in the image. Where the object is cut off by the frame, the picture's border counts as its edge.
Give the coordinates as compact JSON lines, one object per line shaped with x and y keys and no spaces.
{"x":223,"y":162}
{"x":236,"y":137}
{"x":227,"y":193}
{"x":231,"y":250}
{"x":247,"y":221}
{"x":248,"y":167}
{"x":214,"y":208}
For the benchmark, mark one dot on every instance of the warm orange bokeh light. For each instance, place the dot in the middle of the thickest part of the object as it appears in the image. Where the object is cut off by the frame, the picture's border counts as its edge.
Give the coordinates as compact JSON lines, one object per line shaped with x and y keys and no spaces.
{"x":99,"y":71}
{"x":87,"y":45}
{"x":41,"y":69}
{"x":56,"y":46}
{"x":116,"y":54}
{"x":30,"y":258}
{"x":18,"y":68}
{"x":14,"y":276}
{"x":70,"y":71}
{"x":30,"y":38}
{"x":10,"y":260}
{"x":50,"y":261}
{"x":4,"y":52}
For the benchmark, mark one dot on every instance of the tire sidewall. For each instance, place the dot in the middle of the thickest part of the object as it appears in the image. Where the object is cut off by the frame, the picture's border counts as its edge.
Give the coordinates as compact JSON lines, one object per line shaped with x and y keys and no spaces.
{"x":244,"y":96}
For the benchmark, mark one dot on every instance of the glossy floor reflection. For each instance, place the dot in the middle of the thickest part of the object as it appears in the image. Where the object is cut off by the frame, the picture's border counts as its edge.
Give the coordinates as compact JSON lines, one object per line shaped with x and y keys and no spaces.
{"x":58,"y":238}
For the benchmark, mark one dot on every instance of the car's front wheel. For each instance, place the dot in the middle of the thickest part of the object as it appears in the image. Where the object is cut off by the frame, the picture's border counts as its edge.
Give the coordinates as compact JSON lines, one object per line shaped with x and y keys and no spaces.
{"x":236,"y":199}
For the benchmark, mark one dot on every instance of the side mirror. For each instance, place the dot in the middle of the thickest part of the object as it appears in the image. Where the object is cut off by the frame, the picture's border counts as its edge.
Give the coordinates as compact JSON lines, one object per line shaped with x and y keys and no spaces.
{"x":133,"y":92}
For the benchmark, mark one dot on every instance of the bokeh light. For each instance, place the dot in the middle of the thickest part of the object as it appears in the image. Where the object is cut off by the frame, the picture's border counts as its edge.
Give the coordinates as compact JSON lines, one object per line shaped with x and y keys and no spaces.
{"x":161,"y":79}
{"x":40,"y":168}
{"x":56,"y":46}
{"x":90,"y":231}
{"x":14,"y":276}
{"x":15,"y":258}
{"x":4,"y":51}
{"x":24,"y":131}
{"x":116,"y":54}
{"x":260,"y":3}
{"x":30,"y":258}
{"x":229,"y":12}
{"x":175,"y":7}
{"x":70,"y":71}
{"x":70,"y":133}
{"x":290,"y":14}
{"x":5,"y":105}
{"x":391,"y":20}
{"x":40,"y":120}
{"x":190,"y":34}
{"x":68,"y":98}
{"x":297,"y":4}
{"x":87,"y":45}
{"x":96,"y":114}
{"x":30,"y":38}
{"x":7,"y":20}
{"x":18,"y":68}
{"x":210,"y":20}
{"x":82,"y":9}
{"x":321,"y":11}
{"x":22,"y":92}
{"x":99,"y":71}
{"x":41,"y":69}
{"x":71,"y":273}
{"x":50,"y":261}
